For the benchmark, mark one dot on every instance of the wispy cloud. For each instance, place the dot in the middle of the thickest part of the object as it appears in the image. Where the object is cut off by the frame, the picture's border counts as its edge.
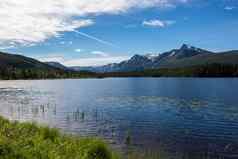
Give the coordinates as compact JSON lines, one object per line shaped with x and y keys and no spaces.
{"x":66,"y":42}
{"x":93,"y":61}
{"x":96,"y":39}
{"x":229,"y":8}
{"x":52,"y":58}
{"x":77,"y":50}
{"x":62,"y":42}
{"x":158,"y":23}
{"x":26,"y":22}
{"x":6,"y":47}
{"x":100,"y":53}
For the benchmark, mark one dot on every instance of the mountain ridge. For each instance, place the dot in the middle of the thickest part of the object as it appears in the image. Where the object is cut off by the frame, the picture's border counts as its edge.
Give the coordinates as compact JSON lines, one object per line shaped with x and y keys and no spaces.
{"x":57,"y":65}
{"x":185,"y":61}
{"x":13,"y":66}
{"x":19,"y":61}
{"x":185,"y":56}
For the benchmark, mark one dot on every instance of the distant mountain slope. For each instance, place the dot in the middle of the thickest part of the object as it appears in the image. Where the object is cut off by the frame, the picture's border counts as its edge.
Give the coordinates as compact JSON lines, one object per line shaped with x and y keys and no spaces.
{"x":229,"y":57}
{"x":21,"y":67}
{"x":57,"y":65}
{"x":21,"y":62}
{"x":186,"y":56}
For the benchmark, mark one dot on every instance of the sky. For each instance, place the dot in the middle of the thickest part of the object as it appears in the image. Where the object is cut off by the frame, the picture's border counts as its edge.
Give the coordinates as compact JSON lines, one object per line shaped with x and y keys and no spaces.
{"x":98,"y":32}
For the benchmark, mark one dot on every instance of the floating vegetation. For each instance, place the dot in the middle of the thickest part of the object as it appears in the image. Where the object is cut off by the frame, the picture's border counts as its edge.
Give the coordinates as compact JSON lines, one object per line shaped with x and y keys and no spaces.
{"x":82,"y":115}
{"x":128,"y":138}
{"x":68,"y":117}
{"x":55,"y":110}
{"x":42,"y":107}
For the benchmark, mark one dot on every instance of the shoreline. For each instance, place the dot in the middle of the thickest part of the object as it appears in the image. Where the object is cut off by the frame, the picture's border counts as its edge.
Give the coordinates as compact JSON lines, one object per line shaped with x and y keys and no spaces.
{"x":30,"y":140}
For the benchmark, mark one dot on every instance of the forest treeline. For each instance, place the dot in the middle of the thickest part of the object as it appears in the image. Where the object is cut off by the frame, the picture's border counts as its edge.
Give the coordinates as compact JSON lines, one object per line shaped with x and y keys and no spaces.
{"x":209,"y":70}
{"x":16,"y":73}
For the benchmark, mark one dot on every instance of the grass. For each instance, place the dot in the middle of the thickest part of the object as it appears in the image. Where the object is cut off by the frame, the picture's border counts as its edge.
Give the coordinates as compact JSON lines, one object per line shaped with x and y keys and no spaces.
{"x":29,"y":141}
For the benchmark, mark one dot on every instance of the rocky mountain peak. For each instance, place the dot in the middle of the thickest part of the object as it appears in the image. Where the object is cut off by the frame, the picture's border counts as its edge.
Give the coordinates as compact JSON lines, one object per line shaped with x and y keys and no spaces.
{"x":187,"y":47}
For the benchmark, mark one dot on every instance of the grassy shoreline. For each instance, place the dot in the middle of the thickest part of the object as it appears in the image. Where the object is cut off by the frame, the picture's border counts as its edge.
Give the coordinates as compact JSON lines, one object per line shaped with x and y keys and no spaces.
{"x":30,"y":141}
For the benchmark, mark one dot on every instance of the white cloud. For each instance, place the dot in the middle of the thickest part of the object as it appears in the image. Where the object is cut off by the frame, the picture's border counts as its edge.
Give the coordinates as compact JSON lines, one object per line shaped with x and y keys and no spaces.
{"x":6,"y":47}
{"x":52,"y":58}
{"x":95,"y":61}
{"x":26,"y":22}
{"x":229,"y":8}
{"x":77,"y":50}
{"x":158,"y":23}
{"x":62,"y":42}
{"x":66,"y":42}
{"x":100,"y":53}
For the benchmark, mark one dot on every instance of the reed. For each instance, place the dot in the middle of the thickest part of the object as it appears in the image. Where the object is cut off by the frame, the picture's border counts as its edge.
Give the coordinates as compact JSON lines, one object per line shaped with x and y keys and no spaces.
{"x":30,"y":141}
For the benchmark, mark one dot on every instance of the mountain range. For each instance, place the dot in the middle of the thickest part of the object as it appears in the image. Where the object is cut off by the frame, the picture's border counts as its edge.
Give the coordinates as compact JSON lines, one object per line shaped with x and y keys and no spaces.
{"x":185,"y":56}
{"x":22,"y":62}
{"x":14,"y":66}
{"x":185,"y":61}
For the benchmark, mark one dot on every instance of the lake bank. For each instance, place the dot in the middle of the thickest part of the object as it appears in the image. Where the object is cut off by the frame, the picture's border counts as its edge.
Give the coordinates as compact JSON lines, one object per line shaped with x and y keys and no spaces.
{"x":27,"y":140}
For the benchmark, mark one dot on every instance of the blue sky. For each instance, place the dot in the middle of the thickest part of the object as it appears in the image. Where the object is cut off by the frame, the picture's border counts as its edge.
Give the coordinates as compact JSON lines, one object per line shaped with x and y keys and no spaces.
{"x":97,"y":32}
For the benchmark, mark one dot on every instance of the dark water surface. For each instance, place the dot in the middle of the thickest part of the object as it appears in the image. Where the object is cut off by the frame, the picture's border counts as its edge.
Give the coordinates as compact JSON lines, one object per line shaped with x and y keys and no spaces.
{"x":182,"y":116}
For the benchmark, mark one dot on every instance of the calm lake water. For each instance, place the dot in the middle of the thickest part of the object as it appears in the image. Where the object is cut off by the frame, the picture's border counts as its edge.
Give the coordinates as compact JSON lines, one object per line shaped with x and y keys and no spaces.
{"x":181,"y":116}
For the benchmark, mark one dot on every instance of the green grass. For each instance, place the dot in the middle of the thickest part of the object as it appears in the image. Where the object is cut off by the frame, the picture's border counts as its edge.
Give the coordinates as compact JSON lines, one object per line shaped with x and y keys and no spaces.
{"x":29,"y":141}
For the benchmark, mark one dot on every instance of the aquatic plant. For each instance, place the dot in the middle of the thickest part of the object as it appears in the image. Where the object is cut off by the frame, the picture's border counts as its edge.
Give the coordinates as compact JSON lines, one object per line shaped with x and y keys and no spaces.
{"x":82,"y":115}
{"x":128,"y":138}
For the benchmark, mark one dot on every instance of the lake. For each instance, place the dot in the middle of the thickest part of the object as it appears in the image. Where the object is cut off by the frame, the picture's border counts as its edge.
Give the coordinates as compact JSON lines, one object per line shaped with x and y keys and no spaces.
{"x":180,"y":116}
